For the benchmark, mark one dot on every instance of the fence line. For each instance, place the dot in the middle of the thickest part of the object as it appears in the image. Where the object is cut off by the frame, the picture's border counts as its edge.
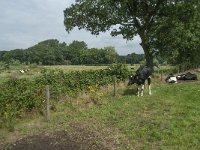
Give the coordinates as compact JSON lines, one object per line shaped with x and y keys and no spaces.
{"x":114,"y":83}
{"x":47,"y":103}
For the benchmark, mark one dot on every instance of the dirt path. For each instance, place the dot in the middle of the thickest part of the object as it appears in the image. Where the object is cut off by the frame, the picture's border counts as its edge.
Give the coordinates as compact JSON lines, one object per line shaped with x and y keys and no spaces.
{"x":56,"y":141}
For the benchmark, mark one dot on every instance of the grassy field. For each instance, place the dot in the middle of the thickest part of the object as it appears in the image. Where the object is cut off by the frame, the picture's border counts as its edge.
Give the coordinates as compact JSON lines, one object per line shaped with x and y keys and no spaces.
{"x":168,"y":119}
{"x":34,"y":70}
{"x":75,"y":67}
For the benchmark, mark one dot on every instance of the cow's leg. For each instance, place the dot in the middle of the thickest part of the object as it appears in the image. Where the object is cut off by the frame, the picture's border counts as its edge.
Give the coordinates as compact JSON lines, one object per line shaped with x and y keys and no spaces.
{"x":142,"y":89}
{"x":138,"y":90}
{"x":149,"y":85}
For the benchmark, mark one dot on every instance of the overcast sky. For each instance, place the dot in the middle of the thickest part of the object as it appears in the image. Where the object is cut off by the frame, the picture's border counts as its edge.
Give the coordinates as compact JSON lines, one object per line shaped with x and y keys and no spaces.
{"x":24,"y":23}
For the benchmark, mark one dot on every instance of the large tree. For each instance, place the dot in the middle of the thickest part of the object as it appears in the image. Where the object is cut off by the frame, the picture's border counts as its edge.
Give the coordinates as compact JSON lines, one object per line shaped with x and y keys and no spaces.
{"x":126,"y":17}
{"x":178,"y":36}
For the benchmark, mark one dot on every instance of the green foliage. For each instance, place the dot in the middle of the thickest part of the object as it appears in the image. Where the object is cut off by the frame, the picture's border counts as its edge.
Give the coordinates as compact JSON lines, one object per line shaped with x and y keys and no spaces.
{"x":19,"y":95}
{"x":132,"y":58}
{"x":132,"y":18}
{"x":120,"y":70}
{"x":172,"y":23}
{"x":51,"y":52}
{"x":178,"y":33}
{"x":24,"y":95}
{"x":96,"y":56}
{"x":168,"y":119}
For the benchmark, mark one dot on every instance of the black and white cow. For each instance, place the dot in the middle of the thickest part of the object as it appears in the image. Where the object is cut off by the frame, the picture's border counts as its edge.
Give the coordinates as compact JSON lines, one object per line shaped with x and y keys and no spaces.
{"x":171,"y":79}
{"x":142,"y":74}
{"x":187,"y":76}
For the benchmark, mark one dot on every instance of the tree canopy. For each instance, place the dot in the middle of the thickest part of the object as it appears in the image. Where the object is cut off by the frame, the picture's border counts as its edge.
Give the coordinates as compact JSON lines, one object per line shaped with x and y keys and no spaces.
{"x":52,"y":52}
{"x":178,"y":37}
{"x":129,"y":18}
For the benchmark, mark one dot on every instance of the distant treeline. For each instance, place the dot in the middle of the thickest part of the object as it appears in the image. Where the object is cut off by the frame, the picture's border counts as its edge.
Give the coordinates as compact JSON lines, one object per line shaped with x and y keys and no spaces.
{"x":52,"y":52}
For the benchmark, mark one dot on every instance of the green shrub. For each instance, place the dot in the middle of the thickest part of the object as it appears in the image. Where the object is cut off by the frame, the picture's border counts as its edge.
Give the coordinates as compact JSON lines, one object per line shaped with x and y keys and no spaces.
{"x":22,"y":95}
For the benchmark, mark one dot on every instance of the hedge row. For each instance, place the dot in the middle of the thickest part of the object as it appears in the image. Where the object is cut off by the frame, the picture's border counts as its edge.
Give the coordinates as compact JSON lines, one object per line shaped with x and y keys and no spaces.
{"x":21,"y":95}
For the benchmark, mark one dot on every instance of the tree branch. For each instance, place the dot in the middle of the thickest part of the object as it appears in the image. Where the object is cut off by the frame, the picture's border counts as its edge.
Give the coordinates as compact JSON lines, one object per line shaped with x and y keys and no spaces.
{"x":151,"y":15}
{"x":136,"y":21}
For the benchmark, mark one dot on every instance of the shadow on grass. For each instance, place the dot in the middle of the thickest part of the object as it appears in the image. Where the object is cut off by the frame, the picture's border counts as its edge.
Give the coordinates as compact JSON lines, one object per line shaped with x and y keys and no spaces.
{"x":130,"y":91}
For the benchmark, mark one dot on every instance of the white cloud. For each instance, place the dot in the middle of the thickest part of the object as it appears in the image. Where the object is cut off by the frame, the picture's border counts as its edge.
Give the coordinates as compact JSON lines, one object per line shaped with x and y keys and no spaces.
{"x":24,"y":23}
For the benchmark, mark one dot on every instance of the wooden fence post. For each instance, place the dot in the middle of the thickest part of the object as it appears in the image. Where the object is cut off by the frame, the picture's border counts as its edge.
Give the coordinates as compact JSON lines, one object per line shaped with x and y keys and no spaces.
{"x":47,"y":103}
{"x":114,"y":83}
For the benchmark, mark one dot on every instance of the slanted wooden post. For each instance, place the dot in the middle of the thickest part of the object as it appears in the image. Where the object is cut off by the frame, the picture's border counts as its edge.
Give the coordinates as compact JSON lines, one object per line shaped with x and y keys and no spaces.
{"x":47,"y":102}
{"x":114,"y":83}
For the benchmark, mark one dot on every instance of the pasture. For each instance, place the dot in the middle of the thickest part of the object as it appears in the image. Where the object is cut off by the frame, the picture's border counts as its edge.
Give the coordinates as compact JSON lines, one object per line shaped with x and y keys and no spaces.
{"x":35,"y":70}
{"x":168,"y":119}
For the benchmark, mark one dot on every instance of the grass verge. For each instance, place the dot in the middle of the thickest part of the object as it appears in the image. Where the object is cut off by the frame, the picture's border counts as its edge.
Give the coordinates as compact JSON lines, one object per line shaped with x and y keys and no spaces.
{"x":169,"y":119}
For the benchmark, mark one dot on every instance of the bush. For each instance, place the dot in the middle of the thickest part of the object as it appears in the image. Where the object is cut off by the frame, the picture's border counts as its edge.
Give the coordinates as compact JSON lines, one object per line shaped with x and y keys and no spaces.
{"x":22,"y":95}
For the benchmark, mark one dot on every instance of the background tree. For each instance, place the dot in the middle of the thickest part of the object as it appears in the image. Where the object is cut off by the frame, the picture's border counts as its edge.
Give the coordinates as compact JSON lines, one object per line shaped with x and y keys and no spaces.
{"x":51,"y":52}
{"x":134,"y":58}
{"x":47,"y":52}
{"x":178,"y":37}
{"x":17,"y":54}
{"x":126,"y":17}
{"x":110,"y":55}
{"x":74,"y":51}
{"x":96,"y":56}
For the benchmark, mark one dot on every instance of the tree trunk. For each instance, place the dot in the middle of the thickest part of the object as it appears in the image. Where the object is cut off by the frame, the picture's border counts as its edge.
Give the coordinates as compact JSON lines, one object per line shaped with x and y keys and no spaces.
{"x":149,"y":58}
{"x":147,"y":53}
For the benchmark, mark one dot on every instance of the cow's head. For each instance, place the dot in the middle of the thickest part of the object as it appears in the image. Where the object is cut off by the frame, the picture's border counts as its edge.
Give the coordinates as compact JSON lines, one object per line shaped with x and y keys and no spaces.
{"x":135,"y":79}
{"x":132,"y":79}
